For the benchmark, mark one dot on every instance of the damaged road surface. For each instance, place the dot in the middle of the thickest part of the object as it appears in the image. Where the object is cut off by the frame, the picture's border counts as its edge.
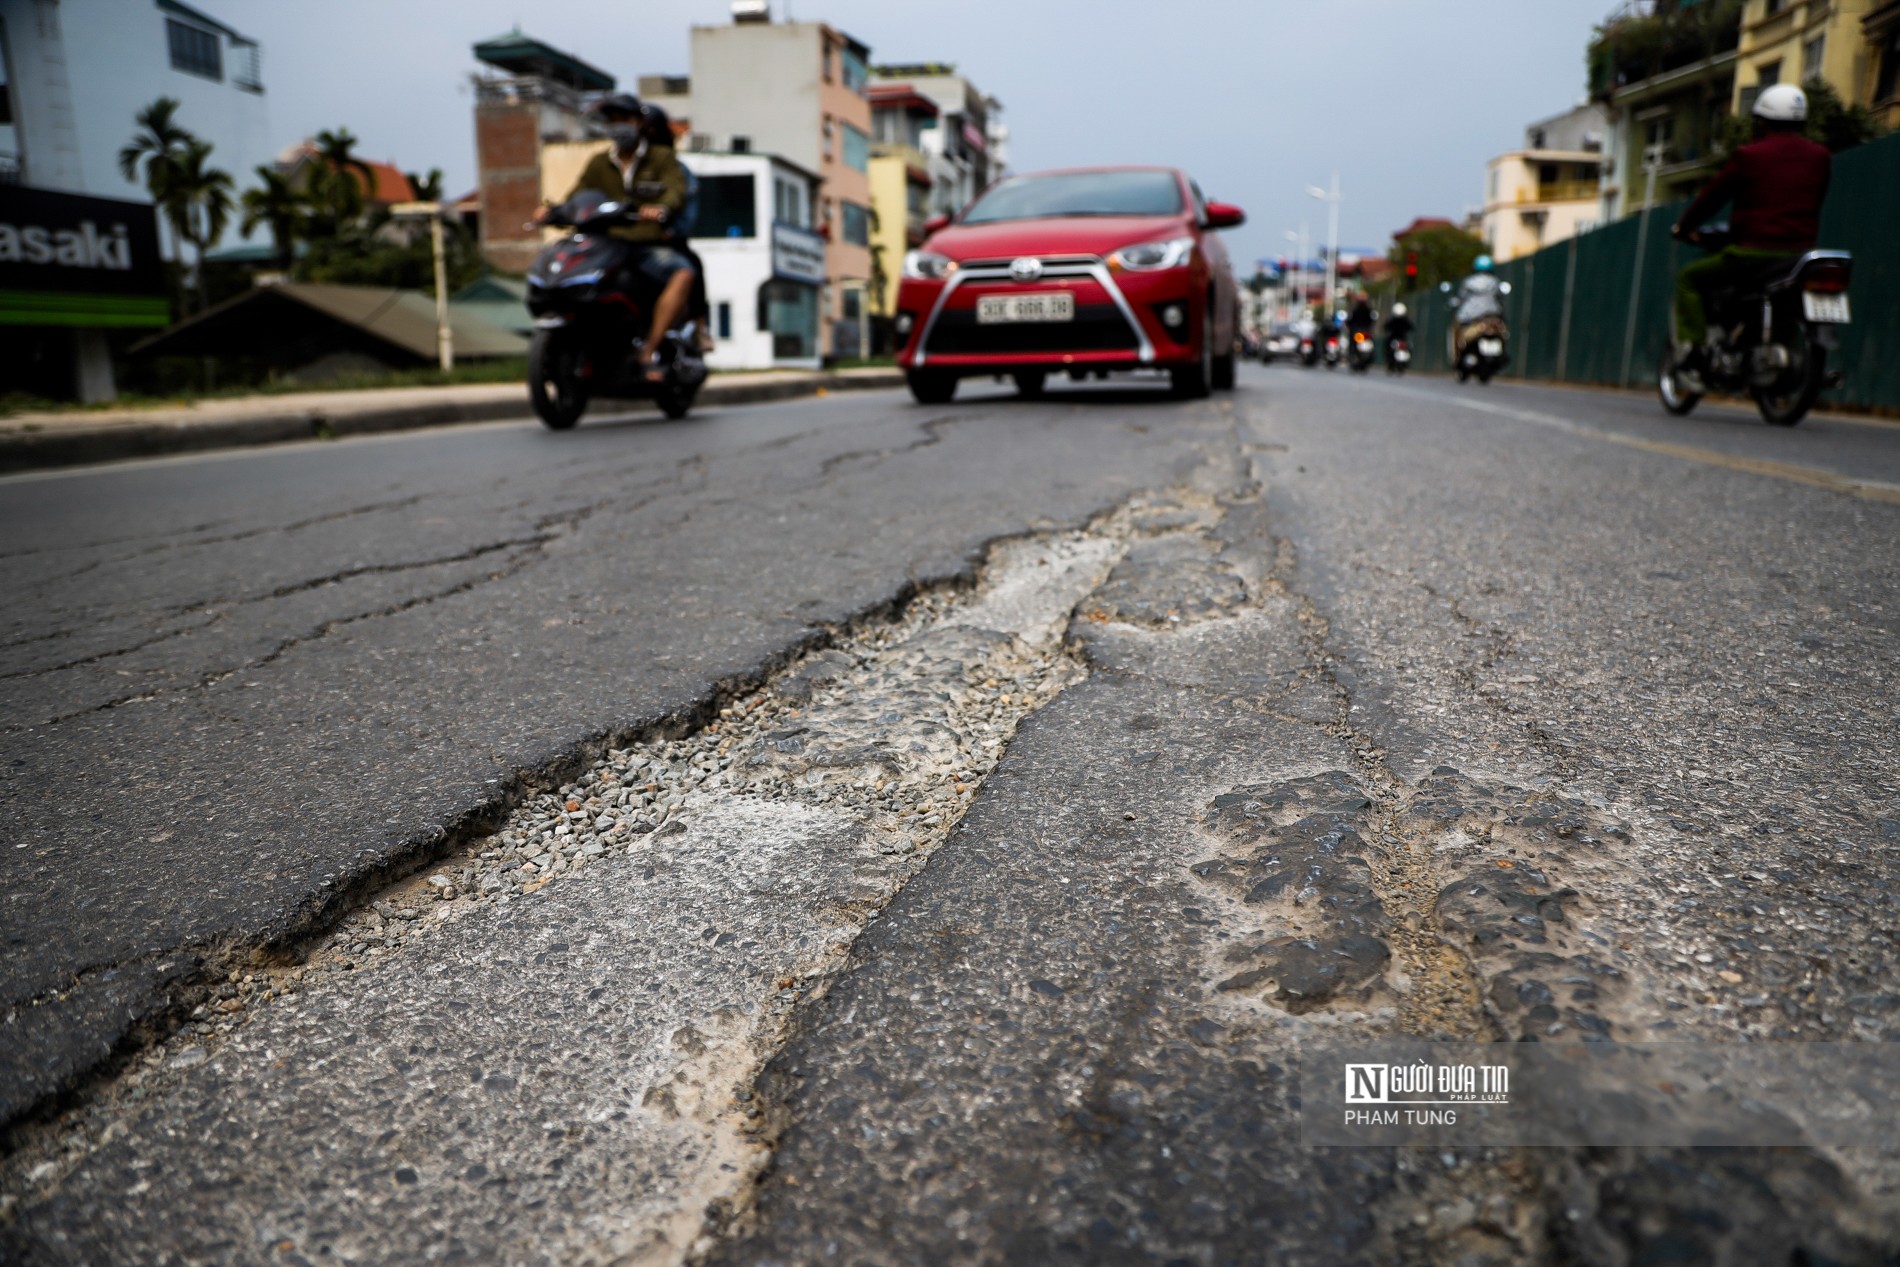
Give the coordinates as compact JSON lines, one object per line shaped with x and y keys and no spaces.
{"x":936,"y":836}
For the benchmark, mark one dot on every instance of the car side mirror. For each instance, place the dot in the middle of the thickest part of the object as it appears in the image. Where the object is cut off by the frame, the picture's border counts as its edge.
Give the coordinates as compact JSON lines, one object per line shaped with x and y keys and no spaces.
{"x":1224,"y":215}
{"x":936,"y":224}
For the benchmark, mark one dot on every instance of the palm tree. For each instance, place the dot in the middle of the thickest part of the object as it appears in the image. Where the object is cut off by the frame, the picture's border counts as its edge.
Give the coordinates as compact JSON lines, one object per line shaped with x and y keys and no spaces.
{"x":156,"y":144}
{"x":197,"y":201}
{"x":428,"y":188}
{"x":277,"y":203}
{"x":335,"y":184}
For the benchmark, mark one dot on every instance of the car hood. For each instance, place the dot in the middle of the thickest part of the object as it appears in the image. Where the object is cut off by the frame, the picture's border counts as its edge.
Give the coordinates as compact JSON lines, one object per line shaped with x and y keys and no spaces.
{"x":1067,"y":235}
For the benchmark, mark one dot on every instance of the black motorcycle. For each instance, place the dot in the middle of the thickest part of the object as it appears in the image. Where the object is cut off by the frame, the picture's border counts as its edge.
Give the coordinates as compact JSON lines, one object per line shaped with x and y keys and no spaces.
{"x":1773,"y":333}
{"x":1309,"y":350}
{"x":1360,"y":355}
{"x":1333,"y":353}
{"x":1398,"y":354}
{"x":591,"y":313}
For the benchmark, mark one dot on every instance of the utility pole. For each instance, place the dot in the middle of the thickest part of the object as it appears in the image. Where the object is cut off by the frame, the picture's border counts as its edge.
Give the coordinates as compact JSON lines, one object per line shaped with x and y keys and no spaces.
{"x":444,"y":333}
{"x":1652,"y":159}
{"x":1332,"y":238}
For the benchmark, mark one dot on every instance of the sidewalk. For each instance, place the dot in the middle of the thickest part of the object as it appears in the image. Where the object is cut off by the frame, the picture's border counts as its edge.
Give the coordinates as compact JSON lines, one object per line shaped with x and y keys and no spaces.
{"x":36,"y":441}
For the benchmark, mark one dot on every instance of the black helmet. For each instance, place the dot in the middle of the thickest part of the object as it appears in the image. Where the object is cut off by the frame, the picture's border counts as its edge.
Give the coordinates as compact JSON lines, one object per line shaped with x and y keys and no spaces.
{"x":657,"y":121}
{"x":620,"y":105}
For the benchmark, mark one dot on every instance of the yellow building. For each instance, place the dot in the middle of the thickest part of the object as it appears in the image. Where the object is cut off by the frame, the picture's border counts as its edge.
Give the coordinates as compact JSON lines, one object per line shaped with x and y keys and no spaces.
{"x":900,"y":192}
{"x":1796,"y":41}
{"x":1548,"y":191}
{"x":1881,"y":33}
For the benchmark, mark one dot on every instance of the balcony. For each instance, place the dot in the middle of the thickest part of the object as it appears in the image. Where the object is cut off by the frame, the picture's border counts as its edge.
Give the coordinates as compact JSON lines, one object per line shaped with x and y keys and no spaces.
{"x":1567,"y":191}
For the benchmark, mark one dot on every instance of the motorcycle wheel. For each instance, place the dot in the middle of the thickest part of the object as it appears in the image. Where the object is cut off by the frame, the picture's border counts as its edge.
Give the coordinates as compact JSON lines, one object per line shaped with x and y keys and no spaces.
{"x":1787,"y":409}
{"x":931,"y":387}
{"x":1669,"y":389}
{"x":1029,"y":384}
{"x":555,"y":386}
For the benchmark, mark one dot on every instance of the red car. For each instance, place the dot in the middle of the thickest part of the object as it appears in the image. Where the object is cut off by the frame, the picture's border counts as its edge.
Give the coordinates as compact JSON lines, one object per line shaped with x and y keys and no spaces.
{"x":1084,"y":271}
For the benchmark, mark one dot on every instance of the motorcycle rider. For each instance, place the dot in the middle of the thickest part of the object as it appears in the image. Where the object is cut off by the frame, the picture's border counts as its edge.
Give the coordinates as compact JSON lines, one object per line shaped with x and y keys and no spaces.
{"x":1777,"y":184}
{"x":1362,"y":317}
{"x":635,"y":167}
{"x":658,"y":128}
{"x":1479,"y":298}
{"x":1398,"y":327}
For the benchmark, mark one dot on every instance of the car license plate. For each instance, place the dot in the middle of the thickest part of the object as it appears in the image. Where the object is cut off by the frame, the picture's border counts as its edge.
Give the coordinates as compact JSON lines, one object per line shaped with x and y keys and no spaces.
{"x":1491,"y":347}
{"x":1829,"y":309}
{"x":1055,"y":305}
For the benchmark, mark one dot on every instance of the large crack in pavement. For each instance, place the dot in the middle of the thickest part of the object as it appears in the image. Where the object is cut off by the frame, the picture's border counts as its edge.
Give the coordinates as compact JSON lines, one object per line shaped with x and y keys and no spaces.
{"x":542,"y":1049}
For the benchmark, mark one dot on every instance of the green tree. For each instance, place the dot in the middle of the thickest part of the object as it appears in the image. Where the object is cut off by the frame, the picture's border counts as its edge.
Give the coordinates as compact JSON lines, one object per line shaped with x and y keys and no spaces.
{"x":156,"y":145}
{"x":1831,"y":121}
{"x":1445,"y":254}
{"x":196,"y":199}
{"x":428,"y":188}
{"x":275,"y":202}
{"x":339,"y":183}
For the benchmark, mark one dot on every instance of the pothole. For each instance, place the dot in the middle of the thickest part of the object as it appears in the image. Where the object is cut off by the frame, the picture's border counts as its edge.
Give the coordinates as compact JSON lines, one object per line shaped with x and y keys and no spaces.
{"x":542,"y":1048}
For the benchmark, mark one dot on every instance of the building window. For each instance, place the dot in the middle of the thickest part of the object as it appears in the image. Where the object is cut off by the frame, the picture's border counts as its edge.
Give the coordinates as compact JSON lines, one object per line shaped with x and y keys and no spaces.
{"x":1889,"y":82}
{"x":857,"y":224}
{"x":857,"y":149}
{"x":1811,"y":58}
{"x":194,"y":50}
{"x":788,"y":311}
{"x":723,"y":320}
{"x":245,"y":71}
{"x":857,"y":75}
{"x":741,"y":145}
{"x":1771,"y":7}
{"x":727,"y":207}
{"x":1768,"y":74}
{"x":830,"y":134}
{"x":789,"y":205}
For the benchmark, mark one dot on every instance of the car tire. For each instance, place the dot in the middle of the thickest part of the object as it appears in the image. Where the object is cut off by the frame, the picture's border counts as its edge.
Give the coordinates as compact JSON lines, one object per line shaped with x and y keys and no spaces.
{"x":1224,"y":373}
{"x":932,"y":387}
{"x":1029,"y":383}
{"x":1196,"y":381}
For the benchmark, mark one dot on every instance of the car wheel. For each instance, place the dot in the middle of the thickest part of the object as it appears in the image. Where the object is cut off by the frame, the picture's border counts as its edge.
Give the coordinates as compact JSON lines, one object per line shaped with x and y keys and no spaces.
{"x":932,"y":387}
{"x":1223,"y":375}
{"x":1029,"y":383}
{"x":1195,"y":382}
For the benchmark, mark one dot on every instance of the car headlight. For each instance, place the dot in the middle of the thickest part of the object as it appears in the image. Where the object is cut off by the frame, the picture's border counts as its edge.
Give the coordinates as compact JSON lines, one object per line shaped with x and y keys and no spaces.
{"x":928,"y":266}
{"x":1147,"y":257}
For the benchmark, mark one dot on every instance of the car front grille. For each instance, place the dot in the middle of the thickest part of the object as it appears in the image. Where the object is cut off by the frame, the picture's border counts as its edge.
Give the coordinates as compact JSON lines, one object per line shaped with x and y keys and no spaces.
{"x":1096,"y":328}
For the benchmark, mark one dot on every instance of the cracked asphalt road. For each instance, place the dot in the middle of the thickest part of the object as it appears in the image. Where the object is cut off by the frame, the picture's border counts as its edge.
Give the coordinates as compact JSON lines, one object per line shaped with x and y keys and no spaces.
{"x":1409,"y":710}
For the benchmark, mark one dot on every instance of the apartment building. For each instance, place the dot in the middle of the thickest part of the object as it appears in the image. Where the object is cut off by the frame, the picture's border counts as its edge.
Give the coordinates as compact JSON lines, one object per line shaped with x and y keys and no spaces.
{"x":1798,"y":41}
{"x":1546,"y":192}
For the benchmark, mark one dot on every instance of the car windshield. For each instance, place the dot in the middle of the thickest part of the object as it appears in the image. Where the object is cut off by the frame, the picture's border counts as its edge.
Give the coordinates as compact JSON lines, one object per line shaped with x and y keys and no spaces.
{"x":1143,"y":193}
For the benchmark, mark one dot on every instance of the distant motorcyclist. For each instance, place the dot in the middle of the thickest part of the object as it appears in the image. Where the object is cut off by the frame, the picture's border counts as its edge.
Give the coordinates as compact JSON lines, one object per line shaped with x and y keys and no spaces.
{"x":635,"y":168}
{"x":1399,"y":325}
{"x":1479,"y":299}
{"x":1362,"y":318}
{"x":1777,"y":184}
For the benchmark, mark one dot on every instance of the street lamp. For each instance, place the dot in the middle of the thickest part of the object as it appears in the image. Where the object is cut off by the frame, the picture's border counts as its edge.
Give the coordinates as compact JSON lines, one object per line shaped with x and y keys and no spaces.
{"x":444,"y":336}
{"x":1299,"y":268}
{"x":1332,"y":237}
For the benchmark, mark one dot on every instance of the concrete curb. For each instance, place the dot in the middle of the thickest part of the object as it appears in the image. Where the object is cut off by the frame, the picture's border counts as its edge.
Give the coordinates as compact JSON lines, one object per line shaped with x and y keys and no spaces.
{"x":58,"y":446}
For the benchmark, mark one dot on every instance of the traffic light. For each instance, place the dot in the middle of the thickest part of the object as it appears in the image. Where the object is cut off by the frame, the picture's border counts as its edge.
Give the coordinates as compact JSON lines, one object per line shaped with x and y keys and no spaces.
{"x":1411,"y":266}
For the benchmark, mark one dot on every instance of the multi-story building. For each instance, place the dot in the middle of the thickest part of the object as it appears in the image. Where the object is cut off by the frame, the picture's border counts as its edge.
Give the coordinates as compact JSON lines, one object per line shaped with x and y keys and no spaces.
{"x":1798,"y":41}
{"x":964,"y":140}
{"x":796,"y":90}
{"x":528,"y":95}
{"x":1880,"y":76}
{"x":901,"y":183}
{"x":1664,"y":72}
{"x":1547,"y":191}
{"x":73,"y":74}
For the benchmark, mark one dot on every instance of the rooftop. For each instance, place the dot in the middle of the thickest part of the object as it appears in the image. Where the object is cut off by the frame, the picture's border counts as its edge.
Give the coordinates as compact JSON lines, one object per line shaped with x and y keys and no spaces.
{"x":520,"y":54}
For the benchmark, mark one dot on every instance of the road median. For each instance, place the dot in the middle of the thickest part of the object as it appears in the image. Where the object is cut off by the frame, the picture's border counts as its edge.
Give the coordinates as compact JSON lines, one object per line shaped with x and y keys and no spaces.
{"x":48,"y":440}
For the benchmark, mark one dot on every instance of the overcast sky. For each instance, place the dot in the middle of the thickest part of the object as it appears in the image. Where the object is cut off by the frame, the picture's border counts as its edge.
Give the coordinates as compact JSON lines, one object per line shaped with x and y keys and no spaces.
{"x":1256,"y":98}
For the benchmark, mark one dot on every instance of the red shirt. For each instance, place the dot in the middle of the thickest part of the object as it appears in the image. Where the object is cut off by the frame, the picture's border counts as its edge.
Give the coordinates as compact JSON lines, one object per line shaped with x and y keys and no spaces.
{"x":1777,"y":185}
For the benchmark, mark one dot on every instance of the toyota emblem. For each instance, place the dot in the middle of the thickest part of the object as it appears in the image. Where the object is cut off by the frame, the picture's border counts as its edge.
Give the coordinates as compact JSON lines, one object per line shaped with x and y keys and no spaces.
{"x":1026,"y":269}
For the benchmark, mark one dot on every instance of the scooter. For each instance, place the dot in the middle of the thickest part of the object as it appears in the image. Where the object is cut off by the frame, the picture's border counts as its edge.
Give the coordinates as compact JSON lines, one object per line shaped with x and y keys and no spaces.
{"x":1773,"y":335}
{"x":591,"y":314}
{"x":1487,"y":350}
{"x":1359,"y":356}
{"x":1309,"y":350}
{"x":1333,"y":354}
{"x":1398,"y":355}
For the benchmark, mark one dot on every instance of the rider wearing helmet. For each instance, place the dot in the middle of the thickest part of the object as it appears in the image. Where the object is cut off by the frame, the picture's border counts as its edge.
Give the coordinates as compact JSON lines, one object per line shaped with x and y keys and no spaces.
{"x":1480,"y":297}
{"x":638,"y":168}
{"x":1777,"y":184}
{"x":1399,"y":324}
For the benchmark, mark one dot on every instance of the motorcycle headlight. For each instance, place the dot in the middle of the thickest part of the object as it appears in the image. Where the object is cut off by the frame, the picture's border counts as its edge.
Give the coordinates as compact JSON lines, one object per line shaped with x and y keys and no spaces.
{"x":1148,"y":257}
{"x":928,"y":266}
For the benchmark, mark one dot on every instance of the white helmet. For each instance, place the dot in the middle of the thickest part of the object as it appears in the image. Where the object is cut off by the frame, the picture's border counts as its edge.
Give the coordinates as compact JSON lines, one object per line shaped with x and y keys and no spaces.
{"x":1783,"y":103}
{"x":1398,"y":310}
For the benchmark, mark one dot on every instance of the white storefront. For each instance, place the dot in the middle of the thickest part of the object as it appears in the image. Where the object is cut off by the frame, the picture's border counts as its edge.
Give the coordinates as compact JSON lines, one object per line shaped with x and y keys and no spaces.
{"x":765,"y":266}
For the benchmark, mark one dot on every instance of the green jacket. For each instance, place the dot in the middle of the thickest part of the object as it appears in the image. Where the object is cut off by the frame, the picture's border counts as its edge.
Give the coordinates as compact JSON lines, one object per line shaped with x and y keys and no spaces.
{"x":658,"y":178}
